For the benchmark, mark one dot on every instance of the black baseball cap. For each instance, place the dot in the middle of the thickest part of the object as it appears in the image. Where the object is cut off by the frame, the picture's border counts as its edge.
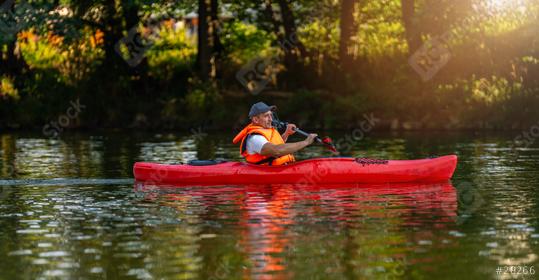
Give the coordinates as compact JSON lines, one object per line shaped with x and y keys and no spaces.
{"x":259,"y":108}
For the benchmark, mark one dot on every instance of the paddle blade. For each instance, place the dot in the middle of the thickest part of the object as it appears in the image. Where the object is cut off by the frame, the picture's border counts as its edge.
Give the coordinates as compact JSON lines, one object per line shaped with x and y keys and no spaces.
{"x":329,"y":143}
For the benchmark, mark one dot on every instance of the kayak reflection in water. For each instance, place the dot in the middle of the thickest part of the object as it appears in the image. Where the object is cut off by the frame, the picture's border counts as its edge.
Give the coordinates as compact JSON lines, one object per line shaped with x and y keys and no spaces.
{"x":277,"y":230}
{"x":261,"y":143}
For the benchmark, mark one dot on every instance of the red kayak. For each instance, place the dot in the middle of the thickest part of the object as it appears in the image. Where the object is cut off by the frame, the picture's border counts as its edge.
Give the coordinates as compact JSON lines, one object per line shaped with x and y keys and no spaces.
{"x":311,"y":171}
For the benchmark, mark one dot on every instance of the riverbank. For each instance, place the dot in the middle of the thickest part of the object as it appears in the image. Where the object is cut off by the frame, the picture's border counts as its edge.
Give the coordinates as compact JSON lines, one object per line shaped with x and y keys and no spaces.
{"x":228,"y":110}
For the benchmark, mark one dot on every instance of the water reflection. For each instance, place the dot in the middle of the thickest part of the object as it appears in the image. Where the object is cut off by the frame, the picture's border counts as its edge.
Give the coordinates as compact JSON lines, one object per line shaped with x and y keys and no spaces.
{"x":289,"y":231}
{"x":94,"y":232}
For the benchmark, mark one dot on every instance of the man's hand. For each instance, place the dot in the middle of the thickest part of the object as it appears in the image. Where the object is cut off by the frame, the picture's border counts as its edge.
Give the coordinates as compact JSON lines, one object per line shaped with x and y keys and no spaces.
{"x":310,"y":138}
{"x":290,"y":129}
{"x":280,"y":150}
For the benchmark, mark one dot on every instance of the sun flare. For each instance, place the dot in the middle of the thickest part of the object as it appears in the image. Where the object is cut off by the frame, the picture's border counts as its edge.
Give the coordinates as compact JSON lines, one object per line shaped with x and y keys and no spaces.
{"x":500,"y":6}
{"x":499,"y":3}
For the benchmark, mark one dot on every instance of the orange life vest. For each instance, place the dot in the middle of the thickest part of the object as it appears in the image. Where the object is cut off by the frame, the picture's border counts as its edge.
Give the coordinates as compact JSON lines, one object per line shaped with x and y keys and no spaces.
{"x":272,"y":135}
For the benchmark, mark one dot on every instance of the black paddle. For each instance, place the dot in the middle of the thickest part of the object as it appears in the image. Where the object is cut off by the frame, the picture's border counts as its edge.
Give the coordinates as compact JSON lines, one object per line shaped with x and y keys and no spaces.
{"x":325,"y":141}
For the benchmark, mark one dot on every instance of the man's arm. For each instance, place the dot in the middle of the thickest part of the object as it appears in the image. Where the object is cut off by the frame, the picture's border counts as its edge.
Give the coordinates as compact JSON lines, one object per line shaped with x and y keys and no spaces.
{"x":285,"y":137}
{"x":290,"y":129}
{"x":273,"y":150}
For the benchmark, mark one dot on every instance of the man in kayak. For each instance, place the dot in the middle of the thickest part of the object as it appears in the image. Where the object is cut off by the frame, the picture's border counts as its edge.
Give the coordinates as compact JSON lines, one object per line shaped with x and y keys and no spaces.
{"x":261,"y":143}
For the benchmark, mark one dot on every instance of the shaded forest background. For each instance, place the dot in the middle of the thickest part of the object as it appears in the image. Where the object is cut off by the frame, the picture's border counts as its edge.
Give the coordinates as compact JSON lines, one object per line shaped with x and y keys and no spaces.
{"x":325,"y":63}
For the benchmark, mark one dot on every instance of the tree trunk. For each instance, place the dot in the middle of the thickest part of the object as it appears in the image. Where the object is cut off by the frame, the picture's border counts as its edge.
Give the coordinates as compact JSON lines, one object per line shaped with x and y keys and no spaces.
{"x":292,"y":44}
{"x":411,"y":33}
{"x":112,"y":34}
{"x":204,"y":44}
{"x":347,"y":26}
{"x":14,"y":63}
{"x":132,"y":20}
{"x":270,"y":14}
{"x":293,"y":49}
{"x":217,"y":48}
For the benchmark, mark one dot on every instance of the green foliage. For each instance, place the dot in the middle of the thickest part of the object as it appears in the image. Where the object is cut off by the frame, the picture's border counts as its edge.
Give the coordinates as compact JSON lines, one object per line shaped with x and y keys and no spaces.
{"x":71,"y":62}
{"x":321,"y":36}
{"x":497,"y":100}
{"x":492,"y":91}
{"x":7,"y":89}
{"x":57,"y":50}
{"x":40,"y":53}
{"x":380,"y":30}
{"x":244,"y":42}
{"x":203,"y":101}
{"x":172,"y":52}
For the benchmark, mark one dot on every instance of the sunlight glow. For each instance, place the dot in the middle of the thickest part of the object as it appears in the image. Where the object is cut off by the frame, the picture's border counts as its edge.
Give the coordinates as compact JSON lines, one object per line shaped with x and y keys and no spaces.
{"x":503,"y":6}
{"x":499,"y":3}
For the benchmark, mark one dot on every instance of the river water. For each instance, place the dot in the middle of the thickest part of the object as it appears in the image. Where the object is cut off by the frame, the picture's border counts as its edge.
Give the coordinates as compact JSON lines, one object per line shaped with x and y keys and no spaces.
{"x":69,"y":209}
